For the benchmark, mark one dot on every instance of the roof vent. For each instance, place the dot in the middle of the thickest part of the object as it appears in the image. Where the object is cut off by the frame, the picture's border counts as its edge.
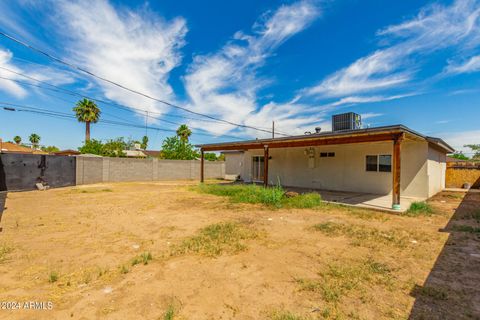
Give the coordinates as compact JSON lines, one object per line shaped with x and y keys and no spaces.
{"x":307,"y":133}
{"x":346,"y":121}
{"x":318,"y":129}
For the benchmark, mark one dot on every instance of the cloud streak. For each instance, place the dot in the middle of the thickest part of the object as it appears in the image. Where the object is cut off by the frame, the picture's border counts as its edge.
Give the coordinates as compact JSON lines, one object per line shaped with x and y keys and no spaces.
{"x":137,"y":49}
{"x":225,"y":83}
{"x":435,"y":28}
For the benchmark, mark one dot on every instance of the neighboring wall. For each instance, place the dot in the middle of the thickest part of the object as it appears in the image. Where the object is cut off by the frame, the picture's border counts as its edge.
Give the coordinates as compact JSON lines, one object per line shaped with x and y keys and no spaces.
{"x":346,"y":171}
{"x":94,"y":170}
{"x":20,"y":171}
{"x":460,"y":173}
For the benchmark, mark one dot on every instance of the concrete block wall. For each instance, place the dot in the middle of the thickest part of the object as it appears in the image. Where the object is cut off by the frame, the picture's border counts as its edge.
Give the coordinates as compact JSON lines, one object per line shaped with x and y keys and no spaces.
{"x":95,"y":170}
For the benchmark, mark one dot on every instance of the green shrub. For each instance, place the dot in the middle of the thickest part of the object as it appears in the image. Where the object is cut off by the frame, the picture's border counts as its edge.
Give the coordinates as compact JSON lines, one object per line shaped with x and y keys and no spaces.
{"x":419,"y":209}
{"x":53,"y":277}
{"x":271,"y":196}
{"x":303,"y":201}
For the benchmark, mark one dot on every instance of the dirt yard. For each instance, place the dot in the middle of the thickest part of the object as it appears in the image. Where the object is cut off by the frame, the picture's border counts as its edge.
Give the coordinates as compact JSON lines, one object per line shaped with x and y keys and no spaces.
{"x":165,"y":251}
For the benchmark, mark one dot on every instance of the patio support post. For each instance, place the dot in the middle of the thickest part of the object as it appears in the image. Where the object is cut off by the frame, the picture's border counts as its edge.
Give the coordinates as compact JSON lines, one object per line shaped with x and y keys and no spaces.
{"x":265,"y":166}
{"x":397,"y":170}
{"x":202,"y":165}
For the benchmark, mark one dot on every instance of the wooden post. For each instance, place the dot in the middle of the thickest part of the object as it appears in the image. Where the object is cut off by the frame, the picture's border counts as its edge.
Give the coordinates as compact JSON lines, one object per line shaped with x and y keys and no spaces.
{"x":397,"y":170}
{"x":265,"y":166}
{"x":202,"y":164}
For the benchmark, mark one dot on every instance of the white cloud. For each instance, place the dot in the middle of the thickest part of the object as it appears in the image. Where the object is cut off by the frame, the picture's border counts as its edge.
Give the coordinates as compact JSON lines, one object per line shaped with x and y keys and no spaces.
{"x":436,"y":27}
{"x":13,"y":71}
{"x":137,"y":49}
{"x":225,"y":84}
{"x":7,"y":85}
{"x":460,"y":138}
{"x":468,"y":66}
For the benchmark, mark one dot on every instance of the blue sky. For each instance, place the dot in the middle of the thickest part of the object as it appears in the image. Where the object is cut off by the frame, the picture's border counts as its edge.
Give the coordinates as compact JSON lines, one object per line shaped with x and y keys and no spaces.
{"x":296,"y":62}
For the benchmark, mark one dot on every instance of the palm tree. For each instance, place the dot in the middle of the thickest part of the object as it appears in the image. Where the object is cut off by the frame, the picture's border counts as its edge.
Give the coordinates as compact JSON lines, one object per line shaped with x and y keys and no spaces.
{"x":34,"y":139}
{"x":17,"y":139}
{"x":144,"y":143}
{"x":184,"y":132}
{"x":87,"y":111}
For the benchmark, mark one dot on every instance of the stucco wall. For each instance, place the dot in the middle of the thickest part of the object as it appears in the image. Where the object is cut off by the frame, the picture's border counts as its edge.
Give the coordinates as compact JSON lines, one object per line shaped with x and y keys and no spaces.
{"x":95,"y":170}
{"x":437,"y":164}
{"x":347,"y":170}
{"x":234,"y":163}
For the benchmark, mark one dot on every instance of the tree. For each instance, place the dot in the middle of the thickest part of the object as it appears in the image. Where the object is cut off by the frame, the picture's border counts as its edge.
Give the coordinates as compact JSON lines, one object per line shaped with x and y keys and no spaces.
{"x":50,"y":149}
{"x":17,"y":139}
{"x":176,"y":149}
{"x":144,"y":143}
{"x":184,"y":132}
{"x":87,"y":111}
{"x":92,"y":147}
{"x":459,"y":155}
{"x":112,"y":148}
{"x":34,"y":140}
{"x":476,"y":149}
{"x":210,"y":156}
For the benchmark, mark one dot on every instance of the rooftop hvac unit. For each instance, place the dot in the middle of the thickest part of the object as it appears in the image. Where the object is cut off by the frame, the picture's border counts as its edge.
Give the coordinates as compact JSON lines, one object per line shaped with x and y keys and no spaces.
{"x":346,"y":121}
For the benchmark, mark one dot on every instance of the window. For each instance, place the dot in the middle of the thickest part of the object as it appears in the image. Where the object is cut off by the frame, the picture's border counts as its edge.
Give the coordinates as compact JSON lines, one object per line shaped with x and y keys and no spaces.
{"x":385,"y":163}
{"x":379,"y":163}
{"x":372,"y":163}
{"x":327,"y":154}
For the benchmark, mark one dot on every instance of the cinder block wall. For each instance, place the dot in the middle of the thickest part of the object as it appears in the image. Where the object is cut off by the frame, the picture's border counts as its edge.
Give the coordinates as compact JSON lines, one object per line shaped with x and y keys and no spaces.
{"x":95,"y":170}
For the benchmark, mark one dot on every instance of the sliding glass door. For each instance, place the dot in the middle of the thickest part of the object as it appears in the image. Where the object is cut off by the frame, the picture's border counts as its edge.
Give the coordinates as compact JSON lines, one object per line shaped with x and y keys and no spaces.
{"x":257,"y":168}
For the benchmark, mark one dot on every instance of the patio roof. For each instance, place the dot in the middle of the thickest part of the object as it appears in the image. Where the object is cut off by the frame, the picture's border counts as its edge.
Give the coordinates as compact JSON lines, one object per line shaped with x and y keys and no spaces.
{"x":386,"y":133}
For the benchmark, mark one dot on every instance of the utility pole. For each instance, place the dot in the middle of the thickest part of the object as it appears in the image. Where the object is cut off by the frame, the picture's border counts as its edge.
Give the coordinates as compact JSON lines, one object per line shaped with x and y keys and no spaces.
{"x":273,"y":129}
{"x":146,"y":122}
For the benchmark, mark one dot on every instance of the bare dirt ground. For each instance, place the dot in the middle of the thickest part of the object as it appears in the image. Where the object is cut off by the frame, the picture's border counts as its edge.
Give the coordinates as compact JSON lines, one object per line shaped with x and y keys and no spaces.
{"x":81,"y":249}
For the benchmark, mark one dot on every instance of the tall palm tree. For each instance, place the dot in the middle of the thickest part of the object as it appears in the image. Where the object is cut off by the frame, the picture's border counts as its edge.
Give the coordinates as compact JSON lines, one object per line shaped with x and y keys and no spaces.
{"x":184,"y":132}
{"x":34,"y":140}
{"x":17,"y":139}
{"x":87,"y":111}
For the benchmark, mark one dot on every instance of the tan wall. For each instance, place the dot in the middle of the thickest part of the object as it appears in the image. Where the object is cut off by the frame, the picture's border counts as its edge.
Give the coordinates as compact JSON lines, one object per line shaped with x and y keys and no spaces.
{"x":437,"y":163}
{"x":234,"y":163}
{"x":346,"y":171}
{"x":95,"y":170}
{"x":457,"y":176}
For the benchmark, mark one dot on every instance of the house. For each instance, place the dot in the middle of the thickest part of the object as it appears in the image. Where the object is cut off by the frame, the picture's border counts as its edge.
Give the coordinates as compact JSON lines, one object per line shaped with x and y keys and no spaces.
{"x":9,"y":147}
{"x":390,"y":160}
{"x":67,"y":152}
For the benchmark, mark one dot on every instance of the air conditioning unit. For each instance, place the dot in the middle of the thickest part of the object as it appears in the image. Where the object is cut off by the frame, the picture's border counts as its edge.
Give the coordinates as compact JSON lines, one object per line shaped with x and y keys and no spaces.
{"x":346,"y":121}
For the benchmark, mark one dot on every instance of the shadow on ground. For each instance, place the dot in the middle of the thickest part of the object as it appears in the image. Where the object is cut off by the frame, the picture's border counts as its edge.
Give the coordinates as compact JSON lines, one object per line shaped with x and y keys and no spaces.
{"x":3,"y":190}
{"x":452,"y":289}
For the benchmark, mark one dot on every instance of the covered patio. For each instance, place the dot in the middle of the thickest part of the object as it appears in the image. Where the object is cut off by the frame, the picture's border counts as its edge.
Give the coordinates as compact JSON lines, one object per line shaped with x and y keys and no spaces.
{"x":397,"y":135}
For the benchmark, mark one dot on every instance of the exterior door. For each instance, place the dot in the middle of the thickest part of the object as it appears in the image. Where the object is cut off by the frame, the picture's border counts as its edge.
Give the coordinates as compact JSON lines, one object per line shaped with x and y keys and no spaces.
{"x":257,"y":168}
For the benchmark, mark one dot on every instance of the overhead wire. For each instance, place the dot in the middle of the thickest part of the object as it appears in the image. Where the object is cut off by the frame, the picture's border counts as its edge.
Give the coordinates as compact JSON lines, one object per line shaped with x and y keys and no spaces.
{"x":94,"y":75}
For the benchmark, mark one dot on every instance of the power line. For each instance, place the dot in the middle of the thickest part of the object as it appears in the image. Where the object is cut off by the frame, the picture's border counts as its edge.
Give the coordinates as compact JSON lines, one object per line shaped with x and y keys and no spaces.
{"x":75,"y":93}
{"x":17,"y":107}
{"x":72,"y":66}
{"x":70,"y":92}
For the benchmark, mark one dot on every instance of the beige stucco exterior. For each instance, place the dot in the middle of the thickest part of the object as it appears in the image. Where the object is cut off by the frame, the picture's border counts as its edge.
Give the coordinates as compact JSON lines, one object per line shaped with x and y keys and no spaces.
{"x":422,"y":172}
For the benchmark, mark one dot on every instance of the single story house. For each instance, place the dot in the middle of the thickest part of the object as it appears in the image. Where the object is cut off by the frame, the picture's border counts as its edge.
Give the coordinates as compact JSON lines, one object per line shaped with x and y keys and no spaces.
{"x":9,"y":147}
{"x":390,"y":160}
